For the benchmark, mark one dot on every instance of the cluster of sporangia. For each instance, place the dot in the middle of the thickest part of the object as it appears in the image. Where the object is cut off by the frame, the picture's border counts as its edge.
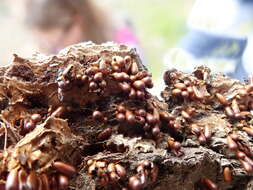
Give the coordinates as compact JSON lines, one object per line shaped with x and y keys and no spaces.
{"x":240,"y":105}
{"x":28,"y":124}
{"x":187,"y":89}
{"x":94,"y":76}
{"x":106,"y":173}
{"x":147,"y":173}
{"x":122,"y":69}
{"x":133,"y":83}
{"x":20,"y":179}
{"x":114,"y":173}
{"x":148,"y":121}
{"x":237,"y":108}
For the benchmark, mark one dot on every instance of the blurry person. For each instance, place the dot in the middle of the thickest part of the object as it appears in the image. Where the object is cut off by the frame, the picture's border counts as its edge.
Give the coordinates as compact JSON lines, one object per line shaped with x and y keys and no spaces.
{"x":59,"y":23}
{"x":220,"y":37}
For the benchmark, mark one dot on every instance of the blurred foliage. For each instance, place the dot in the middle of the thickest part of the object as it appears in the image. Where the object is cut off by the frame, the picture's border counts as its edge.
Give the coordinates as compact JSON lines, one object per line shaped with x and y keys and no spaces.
{"x":159,"y":25}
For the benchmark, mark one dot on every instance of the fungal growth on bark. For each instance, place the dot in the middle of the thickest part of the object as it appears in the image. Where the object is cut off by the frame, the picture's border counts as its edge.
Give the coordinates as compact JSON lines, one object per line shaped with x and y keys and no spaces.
{"x":84,"y":119}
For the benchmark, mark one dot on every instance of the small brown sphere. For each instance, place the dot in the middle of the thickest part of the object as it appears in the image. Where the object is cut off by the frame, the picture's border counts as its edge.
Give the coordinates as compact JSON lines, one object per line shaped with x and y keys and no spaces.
{"x":125,"y":87}
{"x":111,"y":167}
{"x":240,"y":155}
{"x":132,"y":94}
{"x":36,"y":117}
{"x":156,"y":131}
{"x":103,"y":84}
{"x":29,"y":125}
{"x":139,"y":85}
{"x":65,"y":168}
{"x":150,"y":119}
{"x":142,"y":112}
{"x":118,"y":76}
{"x":180,"y":86}
{"x":227,"y":174}
{"x":165,"y":116}
{"x":140,"y":94}
{"x":130,"y":117}
{"x":84,"y":78}
{"x":97,"y":115}
{"x":98,"y":77}
{"x":134,"y":183}
{"x":105,"y":134}
{"x":121,"y":171}
{"x":63,"y":182}
{"x":121,"y":117}
{"x":185,"y":94}
{"x":114,"y":177}
{"x":91,"y":70}
{"x":93,"y":86}
{"x":121,"y":109}
{"x":148,"y":82}
{"x":127,"y":59}
{"x":126,"y":77}
{"x":176,"y":92}
{"x":177,"y":146}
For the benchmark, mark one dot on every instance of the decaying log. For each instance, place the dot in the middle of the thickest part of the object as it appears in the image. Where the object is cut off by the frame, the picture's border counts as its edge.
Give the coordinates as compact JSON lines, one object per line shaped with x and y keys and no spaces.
{"x":84,"y":119}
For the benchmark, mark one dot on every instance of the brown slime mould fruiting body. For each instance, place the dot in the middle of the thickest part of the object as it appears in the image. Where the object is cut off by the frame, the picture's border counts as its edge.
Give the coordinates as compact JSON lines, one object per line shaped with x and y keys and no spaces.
{"x":84,"y":119}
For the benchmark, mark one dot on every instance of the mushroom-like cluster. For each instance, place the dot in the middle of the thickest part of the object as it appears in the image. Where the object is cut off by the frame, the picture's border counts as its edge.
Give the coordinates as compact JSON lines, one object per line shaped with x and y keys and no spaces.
{"x":187,"y":88}
{"x":84,"y":119}
{"x":147,"y":173}
{"x":229,"y":100}
{"x":129,"y":77}
{"x":131,"y":80}
{"x":147,"y":120}
{"x":106,"y":172}
{"x":239,"y":106}
{"x":19,"y":179}
{"x":60,"y":89}
{"x":203,"y":133}
{"x":115,"y":175}
{"x":28,"y":124}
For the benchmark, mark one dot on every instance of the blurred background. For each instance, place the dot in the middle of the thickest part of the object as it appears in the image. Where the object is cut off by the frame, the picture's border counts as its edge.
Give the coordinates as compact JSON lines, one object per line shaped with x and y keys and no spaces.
{"x":158,"y":25}
{"x":168,"y":34}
